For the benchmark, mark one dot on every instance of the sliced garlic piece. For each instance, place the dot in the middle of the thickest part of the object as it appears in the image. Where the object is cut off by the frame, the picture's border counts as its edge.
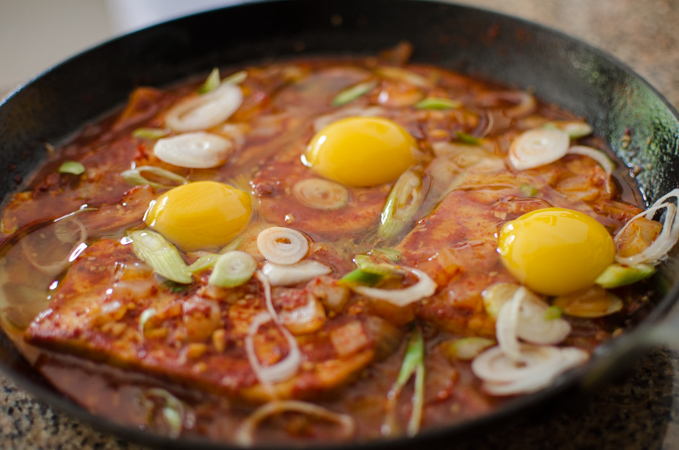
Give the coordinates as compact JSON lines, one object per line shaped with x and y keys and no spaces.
{"x":197,"y":150}
{"x":535,"y":148}
{"x":205,"y":111}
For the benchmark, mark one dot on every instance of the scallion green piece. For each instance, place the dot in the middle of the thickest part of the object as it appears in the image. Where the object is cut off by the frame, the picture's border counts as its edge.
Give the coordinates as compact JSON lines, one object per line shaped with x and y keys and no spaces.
{"x":468,"y":139}
{"x":233,"y":245}
{"x":573,"y":128}
{"x":150,"y":133}
{"x":361,"y":277}
{"x":350,"y":94}
{"x":368,"y":264}
{"x":528,"y":190}
{"x":553,"y":312}
{"x":617,"y":275}
{"x":437,"y":103}
{"x":211,"y":82}
{"x":163,"y":257}
{"x":413,"y":363}
{"x":466,"y":349}
{"x":204,"y":262}
{"x":403,"y":202}
{"x":72,"y":167}
{"x":175,"y":288}
{"x":236,"y":78}
{"x":233,"y":269}
{"x":135,"y":178}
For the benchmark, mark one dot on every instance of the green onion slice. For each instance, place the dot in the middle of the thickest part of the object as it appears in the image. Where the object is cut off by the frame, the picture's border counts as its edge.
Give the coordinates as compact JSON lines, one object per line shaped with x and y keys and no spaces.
{"x":233,"y":245}
{"x":468,"y":139}
{"x":134,"y":177}
{"x":204,"y":262}
{"x":350,"y":94}
{"x":368,"y":264}
{"x":403,"y":202}
{"x":617,"y":275}
{"x":466,"y":349}
{"x":163,"y":257}
{"x":211,"y":82}
{"x":437,"y":103}
{"x":150,"y":133}
{"x":236,"y":78}
{"x":553,"y":312}
{"x":528,"y":190}
{"x":574,"y":129}
{"x":72,"y":167}
{"x":233,"y":269}
{"x":361,"y":277}
{"x":413,"y":363}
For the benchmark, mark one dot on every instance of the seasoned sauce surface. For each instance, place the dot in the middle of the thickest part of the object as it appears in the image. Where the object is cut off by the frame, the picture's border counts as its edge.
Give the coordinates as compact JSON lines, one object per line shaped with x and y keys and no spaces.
{"x":402,"y":261}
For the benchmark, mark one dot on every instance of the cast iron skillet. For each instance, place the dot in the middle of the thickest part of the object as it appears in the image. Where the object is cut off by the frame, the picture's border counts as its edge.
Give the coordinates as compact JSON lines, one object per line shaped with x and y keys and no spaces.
{"x":492,"y":46}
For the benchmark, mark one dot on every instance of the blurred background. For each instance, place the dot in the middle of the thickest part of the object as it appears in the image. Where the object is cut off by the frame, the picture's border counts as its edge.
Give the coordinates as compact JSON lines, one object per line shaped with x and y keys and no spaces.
{"x":35,"y":34}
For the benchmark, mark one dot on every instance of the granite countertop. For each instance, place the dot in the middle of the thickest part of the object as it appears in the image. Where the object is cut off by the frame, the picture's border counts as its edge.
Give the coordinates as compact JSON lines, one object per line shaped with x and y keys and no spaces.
{"x":638,"y":411}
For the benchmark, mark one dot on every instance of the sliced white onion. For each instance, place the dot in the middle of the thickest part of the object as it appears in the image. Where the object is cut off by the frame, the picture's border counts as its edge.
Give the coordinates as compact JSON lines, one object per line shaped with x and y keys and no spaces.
{"x":197,"y":150}
{"x":234,"y":132}
{"x":246,"y":430}
{"x":535,"y":327}
{"x":289,"y":274}
{"x":321,"y":194}
{"x":597,"y":155}
{"x":289,"y":365}
{"x":283,"y":369}
{"x":524,"y":316}
{"x":525,"y":102}
{"x":323,"y":121}
{"x":665,"y":240}
{"x":495,"y":366}
{"x":506,"y":327}
{"x":535,"y":148}
{"x":424,"y":287}
{"x":282,"y":245}
{"x":205,"y":111}
{"x":398,"y":74}
{"x":563,"y":360}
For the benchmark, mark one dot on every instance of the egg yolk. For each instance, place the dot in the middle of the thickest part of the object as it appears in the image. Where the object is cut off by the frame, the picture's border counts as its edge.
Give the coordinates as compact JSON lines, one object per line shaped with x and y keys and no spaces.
{"x":555,"y":251}
{"x":361,"y":151}
{"x":200,"y":215}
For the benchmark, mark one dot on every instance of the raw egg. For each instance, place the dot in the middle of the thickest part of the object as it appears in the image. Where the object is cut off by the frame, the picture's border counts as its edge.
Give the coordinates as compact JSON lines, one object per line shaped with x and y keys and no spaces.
{"x":555,"y":251}
{"x":200,"y":215}
{"x":361,"y":151}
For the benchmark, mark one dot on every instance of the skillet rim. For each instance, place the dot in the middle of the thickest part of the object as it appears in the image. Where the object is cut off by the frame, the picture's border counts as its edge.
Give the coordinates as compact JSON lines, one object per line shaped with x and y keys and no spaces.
{"x":566,"y":382}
